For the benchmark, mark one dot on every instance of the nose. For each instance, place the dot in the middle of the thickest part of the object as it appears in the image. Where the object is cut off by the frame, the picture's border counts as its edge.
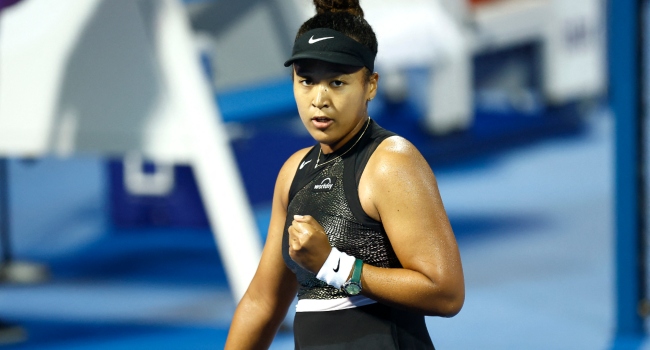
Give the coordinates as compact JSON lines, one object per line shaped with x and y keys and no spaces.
{"x":321,"y":100}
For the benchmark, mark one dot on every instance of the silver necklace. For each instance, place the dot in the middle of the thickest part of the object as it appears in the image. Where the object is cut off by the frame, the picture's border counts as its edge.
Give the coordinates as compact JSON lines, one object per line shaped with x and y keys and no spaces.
{"x":342,"y":154}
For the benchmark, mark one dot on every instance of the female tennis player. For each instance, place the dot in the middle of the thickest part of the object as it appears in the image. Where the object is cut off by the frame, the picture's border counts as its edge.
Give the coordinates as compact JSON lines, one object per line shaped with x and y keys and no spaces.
{"x":358,"y":229}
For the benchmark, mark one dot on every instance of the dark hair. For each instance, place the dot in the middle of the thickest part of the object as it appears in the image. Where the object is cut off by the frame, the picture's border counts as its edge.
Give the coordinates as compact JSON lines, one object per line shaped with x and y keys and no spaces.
{"x":345,"y":16}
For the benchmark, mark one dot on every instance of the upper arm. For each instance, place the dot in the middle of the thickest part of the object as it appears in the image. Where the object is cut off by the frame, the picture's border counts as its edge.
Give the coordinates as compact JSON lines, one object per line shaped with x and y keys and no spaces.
{"x":400,"y":188}
{"x":274,"y":284}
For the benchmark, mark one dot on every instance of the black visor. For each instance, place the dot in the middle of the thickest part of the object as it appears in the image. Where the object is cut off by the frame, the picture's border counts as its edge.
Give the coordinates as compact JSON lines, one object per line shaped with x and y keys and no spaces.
{"x":331,"y":46}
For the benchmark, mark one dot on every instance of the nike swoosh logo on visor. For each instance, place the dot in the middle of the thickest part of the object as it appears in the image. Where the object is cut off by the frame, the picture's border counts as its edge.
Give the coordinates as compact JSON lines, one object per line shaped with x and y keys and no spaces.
{"x":312,"y":40}
{"x":337,"y":266}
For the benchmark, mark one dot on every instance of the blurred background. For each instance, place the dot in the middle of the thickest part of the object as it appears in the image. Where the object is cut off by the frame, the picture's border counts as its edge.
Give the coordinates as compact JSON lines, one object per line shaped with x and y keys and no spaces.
{"x":140,"y":141}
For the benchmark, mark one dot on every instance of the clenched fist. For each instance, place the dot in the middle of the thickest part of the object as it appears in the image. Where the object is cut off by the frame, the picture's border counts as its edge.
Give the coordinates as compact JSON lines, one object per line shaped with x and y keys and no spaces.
{"x":308,"y":243}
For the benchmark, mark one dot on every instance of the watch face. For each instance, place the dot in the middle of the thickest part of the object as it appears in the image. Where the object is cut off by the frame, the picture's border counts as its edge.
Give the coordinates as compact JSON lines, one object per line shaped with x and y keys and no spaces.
{"x":352,"y":288}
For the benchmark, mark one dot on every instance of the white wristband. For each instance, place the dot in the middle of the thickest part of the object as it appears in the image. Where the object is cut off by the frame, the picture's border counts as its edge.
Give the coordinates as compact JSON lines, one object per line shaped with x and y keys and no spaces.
{"x":336,"y":269}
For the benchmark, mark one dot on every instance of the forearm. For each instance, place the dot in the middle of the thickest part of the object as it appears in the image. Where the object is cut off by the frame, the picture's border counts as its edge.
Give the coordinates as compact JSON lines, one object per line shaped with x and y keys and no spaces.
{"x":409,"y":289}
{"x":254,"y":325}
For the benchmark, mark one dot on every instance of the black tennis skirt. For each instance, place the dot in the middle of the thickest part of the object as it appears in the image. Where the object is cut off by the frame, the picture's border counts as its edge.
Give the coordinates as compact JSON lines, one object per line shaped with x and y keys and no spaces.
{"x":371,"y":327}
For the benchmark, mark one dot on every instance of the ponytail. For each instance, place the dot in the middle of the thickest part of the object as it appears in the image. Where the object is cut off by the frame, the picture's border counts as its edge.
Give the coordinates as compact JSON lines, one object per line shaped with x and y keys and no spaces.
{"x":350,"y":6}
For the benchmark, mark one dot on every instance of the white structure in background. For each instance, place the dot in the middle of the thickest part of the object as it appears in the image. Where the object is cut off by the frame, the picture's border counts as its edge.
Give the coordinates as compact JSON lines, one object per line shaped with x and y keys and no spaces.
{"x":421,"y":33}
{"x":572,"y":34}
{"x":113,"y":78}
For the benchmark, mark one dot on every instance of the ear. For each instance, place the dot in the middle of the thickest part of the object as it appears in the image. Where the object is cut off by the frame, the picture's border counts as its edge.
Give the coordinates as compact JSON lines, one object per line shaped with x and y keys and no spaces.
{"x":373,"y":82}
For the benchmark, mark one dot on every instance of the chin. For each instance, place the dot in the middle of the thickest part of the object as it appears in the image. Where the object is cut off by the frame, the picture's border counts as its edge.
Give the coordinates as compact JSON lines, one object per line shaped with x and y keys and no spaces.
{"x":319,"y":136}
{"x":317,"y":133}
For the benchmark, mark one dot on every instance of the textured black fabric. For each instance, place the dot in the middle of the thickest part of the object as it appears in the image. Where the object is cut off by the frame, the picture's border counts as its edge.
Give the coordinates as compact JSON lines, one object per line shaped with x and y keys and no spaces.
{"x":348,"y":228}
{"x":338,"y":209}
{"x":371,"y":327}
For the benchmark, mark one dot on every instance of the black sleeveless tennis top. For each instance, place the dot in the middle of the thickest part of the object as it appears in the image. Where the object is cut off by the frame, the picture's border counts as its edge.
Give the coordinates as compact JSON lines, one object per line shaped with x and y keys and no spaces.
{"x":329,"y":193}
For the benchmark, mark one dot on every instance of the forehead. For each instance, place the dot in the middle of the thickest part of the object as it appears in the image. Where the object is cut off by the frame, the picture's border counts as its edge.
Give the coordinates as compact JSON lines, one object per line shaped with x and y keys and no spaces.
{"x":318,"y":67}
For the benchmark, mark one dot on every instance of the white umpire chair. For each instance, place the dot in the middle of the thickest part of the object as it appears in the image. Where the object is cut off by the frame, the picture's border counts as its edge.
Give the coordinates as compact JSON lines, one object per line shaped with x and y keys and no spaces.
{"x":119,"y":78}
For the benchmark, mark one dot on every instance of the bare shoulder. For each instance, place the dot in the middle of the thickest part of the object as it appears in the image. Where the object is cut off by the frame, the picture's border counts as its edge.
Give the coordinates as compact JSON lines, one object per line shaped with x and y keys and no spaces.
{"x":291,"y":164}
{"x":395,"y":172}
{"x":396,"y":156}
{"x":287,"y":173}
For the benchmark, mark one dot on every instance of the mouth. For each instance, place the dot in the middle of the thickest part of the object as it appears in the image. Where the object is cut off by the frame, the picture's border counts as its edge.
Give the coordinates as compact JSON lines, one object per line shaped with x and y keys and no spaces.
{"x":321,"y":123}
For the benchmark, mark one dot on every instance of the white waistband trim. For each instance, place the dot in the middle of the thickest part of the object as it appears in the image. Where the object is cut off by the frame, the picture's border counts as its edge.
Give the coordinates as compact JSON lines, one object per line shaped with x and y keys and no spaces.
{"x":311,"y":305}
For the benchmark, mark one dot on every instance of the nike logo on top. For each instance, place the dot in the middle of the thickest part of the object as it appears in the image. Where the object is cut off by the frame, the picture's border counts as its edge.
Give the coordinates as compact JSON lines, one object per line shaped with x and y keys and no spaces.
{"x":337,"y":266}
{"x":312,"y":40}
{"x":302,"y":165}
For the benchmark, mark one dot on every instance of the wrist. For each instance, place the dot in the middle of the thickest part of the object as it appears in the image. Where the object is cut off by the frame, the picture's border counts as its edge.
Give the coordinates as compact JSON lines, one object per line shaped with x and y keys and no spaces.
{"x":336,"y":269}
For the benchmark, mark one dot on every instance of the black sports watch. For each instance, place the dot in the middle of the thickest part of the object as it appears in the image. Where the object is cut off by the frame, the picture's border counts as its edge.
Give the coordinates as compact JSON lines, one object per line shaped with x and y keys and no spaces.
{"x":353,"y":285}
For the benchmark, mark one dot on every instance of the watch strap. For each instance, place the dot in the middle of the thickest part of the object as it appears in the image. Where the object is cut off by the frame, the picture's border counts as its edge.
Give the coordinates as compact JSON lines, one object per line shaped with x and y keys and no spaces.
{"x":356,"y":272}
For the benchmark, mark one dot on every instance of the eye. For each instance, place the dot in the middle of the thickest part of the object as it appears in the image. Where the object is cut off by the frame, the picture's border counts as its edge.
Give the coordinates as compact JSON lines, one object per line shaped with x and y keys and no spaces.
{"x":337,"y":83}
{"x":305,"y":82}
